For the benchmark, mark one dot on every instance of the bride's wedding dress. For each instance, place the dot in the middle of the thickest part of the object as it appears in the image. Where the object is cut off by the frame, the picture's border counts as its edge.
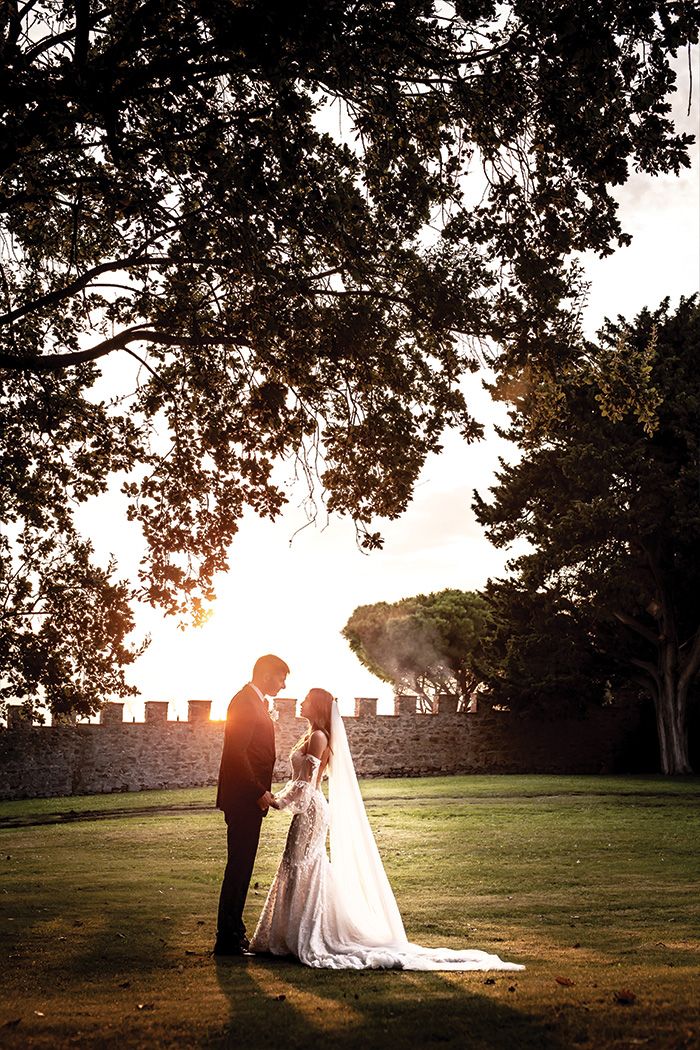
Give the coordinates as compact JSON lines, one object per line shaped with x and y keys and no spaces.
{"x":341,"y":914}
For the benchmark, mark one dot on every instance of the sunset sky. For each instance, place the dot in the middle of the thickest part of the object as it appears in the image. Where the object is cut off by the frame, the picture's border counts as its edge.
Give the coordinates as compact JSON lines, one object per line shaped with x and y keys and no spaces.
{"x":307,"y":586}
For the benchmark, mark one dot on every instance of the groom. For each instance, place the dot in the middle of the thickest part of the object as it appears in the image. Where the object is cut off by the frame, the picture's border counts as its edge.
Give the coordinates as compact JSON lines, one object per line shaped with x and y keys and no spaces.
{"x":245,"y":779}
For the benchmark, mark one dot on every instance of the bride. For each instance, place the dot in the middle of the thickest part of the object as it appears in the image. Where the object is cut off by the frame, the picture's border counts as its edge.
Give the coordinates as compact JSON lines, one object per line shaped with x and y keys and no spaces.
{"x":339,"y":914}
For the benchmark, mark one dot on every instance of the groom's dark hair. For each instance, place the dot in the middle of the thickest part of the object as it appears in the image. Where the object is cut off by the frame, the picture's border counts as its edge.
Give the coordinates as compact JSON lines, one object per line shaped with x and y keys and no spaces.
{"x":270,"y":664}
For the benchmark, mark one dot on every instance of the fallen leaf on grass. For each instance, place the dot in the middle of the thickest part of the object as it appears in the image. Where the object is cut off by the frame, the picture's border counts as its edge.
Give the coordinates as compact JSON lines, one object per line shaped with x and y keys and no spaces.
{"x":39,"y":1013}
{"x":566,"y":981}
{"x":145,"y":1006}
{"x":624,"y":997}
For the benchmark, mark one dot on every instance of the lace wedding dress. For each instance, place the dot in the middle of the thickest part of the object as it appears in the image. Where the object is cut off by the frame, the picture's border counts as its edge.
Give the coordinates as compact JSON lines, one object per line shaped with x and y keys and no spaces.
{"x":341,"y":914}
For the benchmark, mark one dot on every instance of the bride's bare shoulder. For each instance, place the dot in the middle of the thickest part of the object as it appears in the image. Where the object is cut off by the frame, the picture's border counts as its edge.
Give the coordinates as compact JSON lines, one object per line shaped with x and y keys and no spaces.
{"x":318,"y":743}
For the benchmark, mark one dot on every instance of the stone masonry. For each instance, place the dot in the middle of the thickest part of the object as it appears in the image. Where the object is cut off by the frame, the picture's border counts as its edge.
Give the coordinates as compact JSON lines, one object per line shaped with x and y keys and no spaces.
{"x":113,"y":756}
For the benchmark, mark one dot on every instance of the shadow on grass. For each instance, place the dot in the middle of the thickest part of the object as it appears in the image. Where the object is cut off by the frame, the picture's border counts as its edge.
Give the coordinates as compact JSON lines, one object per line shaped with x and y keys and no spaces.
{"x":279,"y":1002}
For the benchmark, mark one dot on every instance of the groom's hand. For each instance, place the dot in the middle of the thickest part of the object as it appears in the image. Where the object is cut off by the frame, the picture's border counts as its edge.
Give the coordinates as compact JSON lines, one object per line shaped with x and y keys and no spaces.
{"x":268,"y":801}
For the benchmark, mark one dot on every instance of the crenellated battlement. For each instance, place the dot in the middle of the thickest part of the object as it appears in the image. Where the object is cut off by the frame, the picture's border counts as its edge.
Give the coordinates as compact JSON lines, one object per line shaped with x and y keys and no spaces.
{"x":198,"y":711}
{"x":113,"y":755}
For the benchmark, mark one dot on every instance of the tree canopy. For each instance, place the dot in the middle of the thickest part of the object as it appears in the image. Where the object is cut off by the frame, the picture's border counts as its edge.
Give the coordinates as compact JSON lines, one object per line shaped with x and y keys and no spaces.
{"x":539,"y":654}
{"x":305,"y":222}
{"x":428,"y":644}
{"x":611,"y":508}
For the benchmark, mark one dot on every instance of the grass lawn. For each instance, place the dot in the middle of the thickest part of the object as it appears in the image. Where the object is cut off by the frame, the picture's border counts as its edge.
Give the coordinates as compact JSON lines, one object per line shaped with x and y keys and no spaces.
{"x":108,"y":905}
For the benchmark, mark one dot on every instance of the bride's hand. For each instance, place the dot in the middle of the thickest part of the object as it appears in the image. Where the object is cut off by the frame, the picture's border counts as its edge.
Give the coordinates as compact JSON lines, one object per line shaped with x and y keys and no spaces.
{"x":267,"y":801}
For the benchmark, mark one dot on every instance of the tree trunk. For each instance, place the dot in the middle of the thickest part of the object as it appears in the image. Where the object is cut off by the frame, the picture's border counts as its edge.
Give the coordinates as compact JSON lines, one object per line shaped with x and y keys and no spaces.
{"x":667,"y":680}
{"x":673,"y":679}
{"x":673,"y":737}
{"x":671,"y":703}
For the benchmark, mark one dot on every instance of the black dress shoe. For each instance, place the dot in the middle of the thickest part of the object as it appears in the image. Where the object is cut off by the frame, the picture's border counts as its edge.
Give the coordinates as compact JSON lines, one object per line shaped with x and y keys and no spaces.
{"x":231,"y":947}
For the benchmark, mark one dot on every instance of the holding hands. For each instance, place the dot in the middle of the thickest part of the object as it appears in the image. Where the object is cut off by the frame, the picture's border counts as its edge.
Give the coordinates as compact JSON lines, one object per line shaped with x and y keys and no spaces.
{"x":268,"y":801}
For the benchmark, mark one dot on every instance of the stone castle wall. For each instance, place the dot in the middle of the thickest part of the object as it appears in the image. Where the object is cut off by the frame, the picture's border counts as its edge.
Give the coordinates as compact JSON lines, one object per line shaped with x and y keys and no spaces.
{"x":85,"y":759}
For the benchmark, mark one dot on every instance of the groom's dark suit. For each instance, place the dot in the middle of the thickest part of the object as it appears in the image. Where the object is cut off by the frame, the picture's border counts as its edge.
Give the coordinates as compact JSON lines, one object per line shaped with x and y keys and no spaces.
{"x":244,"y":776}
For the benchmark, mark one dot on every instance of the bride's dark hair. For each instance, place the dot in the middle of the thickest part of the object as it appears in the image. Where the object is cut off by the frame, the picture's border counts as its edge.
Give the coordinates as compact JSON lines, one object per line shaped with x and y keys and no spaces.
{"x":320,"y":704}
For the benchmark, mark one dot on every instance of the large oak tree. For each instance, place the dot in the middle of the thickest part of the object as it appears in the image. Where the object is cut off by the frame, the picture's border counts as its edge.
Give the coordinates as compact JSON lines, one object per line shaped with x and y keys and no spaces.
{"x":305,"y":221}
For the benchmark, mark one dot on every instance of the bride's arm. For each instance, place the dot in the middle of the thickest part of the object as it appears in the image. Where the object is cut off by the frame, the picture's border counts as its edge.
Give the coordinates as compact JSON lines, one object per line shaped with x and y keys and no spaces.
{"x":296,"y":793}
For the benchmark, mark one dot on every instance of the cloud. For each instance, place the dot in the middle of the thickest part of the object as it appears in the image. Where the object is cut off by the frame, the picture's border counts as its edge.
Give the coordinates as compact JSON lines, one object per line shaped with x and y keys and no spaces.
{"x":434,"y":520}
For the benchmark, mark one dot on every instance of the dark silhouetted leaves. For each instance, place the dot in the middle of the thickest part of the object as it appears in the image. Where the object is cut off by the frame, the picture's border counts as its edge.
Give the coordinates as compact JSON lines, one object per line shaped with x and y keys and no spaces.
{"x":173,"y":186}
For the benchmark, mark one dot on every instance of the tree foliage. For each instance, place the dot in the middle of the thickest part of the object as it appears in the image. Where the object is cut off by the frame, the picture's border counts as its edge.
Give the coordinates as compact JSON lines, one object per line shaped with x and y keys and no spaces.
{"x":304,"y":221}
{"x":612,"y":513}
{"x":75,"y":653}
{"x":540,"y":654}
{"x":428,"y":644}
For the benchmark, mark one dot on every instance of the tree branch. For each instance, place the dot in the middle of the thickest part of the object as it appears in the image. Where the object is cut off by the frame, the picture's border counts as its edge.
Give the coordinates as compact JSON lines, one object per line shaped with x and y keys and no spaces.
{"x":692,"y":664}
{"x":82,"y":31}
{"x":55,"y":362}
{"x":47,"y":42}
{"x":27,"y":8}
{"x":652,"y":674}
{"x":14,"y":24}
{"x":647,"y":684}
{"x":629,"y":621}
{"x":51,"y":298}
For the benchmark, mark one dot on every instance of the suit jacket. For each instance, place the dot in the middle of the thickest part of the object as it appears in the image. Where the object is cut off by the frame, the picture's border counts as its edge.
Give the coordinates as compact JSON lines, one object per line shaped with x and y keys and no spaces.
{"x":248,"y":757}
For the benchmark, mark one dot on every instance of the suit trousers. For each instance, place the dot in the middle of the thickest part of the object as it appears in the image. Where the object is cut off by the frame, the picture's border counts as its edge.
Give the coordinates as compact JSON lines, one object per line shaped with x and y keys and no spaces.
{"x":242,"y":837}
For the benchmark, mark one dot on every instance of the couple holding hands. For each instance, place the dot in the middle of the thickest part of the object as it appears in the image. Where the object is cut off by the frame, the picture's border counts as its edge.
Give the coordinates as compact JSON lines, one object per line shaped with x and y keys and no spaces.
{"x":336,"y":914}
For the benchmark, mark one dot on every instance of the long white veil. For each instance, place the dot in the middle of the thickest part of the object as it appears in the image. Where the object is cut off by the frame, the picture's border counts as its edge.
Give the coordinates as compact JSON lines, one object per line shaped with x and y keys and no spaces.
{"x":369,"y":909}
{"x":343,"y":915}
